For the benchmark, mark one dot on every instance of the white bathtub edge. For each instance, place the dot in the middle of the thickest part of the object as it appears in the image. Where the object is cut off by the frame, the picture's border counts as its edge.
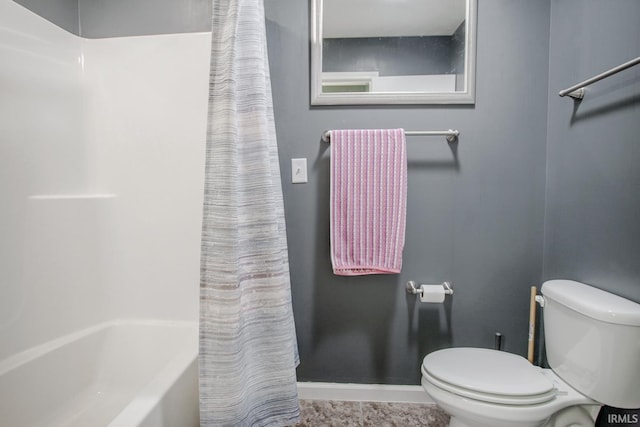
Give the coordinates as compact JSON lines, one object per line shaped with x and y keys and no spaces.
{"x":363,"y":392}
{"x":137,"y":411}
{"x":25,"y":356}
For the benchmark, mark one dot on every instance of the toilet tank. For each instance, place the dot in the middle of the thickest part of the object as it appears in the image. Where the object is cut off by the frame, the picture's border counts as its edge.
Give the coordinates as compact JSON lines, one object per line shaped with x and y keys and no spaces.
{"x":592,"y":341}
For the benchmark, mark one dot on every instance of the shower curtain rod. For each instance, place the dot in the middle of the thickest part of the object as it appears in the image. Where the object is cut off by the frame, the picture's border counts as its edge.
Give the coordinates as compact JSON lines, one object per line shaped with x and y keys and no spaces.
{"x":451,"y":134}
{"x":577,"y":91}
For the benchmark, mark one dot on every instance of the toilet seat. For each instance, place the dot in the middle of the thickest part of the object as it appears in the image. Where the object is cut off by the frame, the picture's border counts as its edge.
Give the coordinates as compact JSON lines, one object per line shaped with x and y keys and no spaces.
{"x":488,"y":375}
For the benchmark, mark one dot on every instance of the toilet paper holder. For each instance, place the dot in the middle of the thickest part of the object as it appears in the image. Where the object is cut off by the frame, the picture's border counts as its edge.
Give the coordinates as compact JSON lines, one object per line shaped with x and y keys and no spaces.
{"x":413,"y":289}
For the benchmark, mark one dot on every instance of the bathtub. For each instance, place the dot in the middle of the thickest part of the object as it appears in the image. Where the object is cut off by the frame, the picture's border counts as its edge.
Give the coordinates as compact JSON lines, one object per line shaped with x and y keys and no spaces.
{"x":117,"y":374}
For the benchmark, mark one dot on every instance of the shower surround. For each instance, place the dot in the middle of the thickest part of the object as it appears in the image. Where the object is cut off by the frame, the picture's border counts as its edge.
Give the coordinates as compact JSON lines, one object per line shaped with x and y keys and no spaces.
{"x":101,"y":176}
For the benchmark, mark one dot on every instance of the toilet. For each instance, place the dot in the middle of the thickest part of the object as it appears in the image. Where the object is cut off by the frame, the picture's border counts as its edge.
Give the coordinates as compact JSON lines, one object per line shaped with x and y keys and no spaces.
{"x":592,"y":341}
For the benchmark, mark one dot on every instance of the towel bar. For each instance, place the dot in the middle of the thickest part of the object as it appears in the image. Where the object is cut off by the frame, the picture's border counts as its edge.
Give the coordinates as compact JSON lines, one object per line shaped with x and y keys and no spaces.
{"x":577,"y":91}
{"x":451,"y":134}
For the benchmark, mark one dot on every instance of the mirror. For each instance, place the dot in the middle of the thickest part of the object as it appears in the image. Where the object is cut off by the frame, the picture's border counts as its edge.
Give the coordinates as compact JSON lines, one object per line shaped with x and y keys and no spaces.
{"x":393,"y":52}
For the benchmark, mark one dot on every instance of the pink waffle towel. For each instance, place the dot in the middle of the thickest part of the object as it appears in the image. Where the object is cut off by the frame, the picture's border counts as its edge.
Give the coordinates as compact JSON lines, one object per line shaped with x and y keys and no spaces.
{"x":368,"y":201}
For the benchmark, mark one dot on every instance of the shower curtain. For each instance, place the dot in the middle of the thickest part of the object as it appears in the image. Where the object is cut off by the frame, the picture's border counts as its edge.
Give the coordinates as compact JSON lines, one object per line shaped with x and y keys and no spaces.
{"x":248,"y":349}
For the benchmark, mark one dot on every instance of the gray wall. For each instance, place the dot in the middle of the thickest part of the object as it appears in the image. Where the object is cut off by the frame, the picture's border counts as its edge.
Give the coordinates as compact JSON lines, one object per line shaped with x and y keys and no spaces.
{"x":475,"y":210}
{"x":119,"y":18}
{"x":63,"y":13}
{"x":390,"y":56}
{"x":458,"y":41}
{"x":593,"y":194}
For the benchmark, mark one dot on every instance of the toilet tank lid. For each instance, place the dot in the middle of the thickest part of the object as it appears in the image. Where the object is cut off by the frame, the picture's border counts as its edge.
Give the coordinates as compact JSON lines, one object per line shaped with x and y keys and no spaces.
{"x":593,"y":302}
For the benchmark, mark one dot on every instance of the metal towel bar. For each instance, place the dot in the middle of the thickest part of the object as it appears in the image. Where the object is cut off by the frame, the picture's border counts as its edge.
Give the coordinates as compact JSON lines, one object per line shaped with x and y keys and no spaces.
{"x":451,"y":134}
{"x":577,"y":91}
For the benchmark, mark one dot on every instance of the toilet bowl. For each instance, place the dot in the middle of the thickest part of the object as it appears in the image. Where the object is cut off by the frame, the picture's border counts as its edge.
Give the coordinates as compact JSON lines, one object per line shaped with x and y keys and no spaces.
{"x":487,"y":388}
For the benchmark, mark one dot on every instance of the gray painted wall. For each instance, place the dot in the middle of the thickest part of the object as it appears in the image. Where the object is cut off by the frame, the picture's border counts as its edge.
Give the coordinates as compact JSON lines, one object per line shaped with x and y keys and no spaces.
{"x":475,"y":210}
{"x":458,"y":42}
{"x":119,"y":18}
{"x":593,"y":193}
{"x":390,"y":56}
{"x":63,"y":13}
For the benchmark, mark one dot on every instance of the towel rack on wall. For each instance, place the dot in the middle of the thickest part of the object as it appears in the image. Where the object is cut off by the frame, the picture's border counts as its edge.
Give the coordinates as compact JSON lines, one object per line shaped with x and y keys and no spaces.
{"x":577,"y":91}
{"x":451,"y":134}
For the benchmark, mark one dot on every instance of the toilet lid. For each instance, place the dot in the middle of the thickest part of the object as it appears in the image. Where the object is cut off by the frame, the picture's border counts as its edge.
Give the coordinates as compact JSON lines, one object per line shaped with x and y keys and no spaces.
{"x":498,"y":375}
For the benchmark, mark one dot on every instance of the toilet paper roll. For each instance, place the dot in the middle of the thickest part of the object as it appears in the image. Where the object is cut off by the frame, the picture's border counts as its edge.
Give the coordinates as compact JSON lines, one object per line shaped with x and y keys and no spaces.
{"x":432,"y":293}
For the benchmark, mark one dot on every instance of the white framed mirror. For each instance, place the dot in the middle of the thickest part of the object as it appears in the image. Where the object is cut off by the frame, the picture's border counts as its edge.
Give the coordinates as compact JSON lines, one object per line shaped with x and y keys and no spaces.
{"x":366,"y":52}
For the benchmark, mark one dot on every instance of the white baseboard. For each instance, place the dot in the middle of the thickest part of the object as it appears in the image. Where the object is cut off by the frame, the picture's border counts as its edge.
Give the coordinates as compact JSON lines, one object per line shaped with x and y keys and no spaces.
{"x":363,"y":392}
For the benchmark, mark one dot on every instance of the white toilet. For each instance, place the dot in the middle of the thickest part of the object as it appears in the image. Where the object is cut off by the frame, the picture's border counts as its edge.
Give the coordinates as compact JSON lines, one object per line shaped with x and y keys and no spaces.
{"x":592,"y":341}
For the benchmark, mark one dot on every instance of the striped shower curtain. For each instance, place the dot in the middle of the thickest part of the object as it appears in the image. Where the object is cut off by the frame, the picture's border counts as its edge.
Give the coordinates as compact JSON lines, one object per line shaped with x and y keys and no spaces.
{"x":248,"y":350}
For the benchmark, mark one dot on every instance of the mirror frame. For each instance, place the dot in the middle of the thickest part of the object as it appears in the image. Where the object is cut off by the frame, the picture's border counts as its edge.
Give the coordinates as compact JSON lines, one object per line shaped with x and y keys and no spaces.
{"x":373,"y":98}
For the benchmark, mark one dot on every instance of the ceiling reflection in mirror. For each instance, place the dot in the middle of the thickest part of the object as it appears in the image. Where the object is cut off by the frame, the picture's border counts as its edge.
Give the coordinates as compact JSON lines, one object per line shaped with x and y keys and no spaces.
{"x":392,"y":51}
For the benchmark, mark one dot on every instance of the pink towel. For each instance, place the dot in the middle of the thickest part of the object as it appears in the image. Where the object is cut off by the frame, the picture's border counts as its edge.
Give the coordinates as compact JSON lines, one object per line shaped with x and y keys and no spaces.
{"x":368,"y":201}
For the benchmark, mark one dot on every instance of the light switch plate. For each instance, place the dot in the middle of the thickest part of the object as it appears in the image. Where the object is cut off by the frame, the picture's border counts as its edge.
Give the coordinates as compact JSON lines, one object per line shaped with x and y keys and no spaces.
{"x":299,"y":171}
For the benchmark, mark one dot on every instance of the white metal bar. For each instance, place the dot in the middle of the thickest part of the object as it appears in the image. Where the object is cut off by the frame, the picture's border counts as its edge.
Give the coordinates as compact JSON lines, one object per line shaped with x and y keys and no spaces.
{"x":577,"y":91}
{"x":451,"y":134}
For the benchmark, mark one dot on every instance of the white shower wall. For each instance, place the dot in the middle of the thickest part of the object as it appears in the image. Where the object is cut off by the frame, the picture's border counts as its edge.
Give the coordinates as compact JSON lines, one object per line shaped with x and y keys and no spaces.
{"x":147,"y":104}
{"x":101,"y":177}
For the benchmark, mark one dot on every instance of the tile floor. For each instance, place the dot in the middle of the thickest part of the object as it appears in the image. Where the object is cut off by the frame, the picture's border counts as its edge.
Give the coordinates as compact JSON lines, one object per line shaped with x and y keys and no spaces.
{"x":332,"y":413}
